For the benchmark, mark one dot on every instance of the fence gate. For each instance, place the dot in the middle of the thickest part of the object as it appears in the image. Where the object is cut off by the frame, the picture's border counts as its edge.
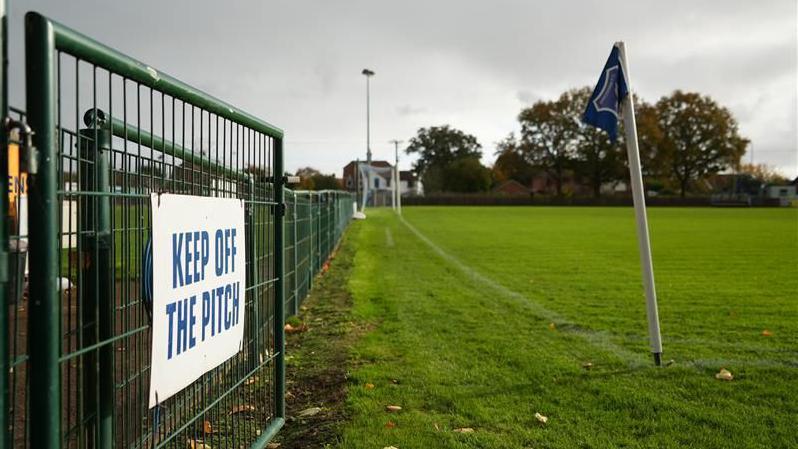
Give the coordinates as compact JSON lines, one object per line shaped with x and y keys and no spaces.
{"x":108,"y":132}
{"x":102,"y":132}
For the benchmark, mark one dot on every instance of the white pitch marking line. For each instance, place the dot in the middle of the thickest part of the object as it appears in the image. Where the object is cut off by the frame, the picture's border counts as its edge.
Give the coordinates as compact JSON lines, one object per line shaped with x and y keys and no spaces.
{"x":388,"y":238}
{"x":598,"y":339}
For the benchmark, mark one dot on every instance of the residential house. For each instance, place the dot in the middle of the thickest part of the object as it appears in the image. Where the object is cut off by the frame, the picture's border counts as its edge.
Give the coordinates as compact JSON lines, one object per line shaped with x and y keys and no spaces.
{"x":380,"y":186}
{"x":511,"y":187}
{"x":409,"y":184}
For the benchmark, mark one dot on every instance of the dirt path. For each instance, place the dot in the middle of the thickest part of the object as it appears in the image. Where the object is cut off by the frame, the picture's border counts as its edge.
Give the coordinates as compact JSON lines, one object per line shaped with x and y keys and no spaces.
{"x":318,"y":358}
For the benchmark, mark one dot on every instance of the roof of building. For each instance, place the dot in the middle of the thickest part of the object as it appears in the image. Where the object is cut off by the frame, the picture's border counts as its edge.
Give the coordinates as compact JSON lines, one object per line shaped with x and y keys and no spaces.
{"x":373,"y":163}
{"x":511,"y":186}
{"x":406,"y":175}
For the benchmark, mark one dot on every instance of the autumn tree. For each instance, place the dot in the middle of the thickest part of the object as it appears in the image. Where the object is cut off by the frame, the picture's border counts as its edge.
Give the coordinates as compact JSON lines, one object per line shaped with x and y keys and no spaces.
{"x":438,"y":147}
{"x":597,"y":159}
{"x":548,"y":130}
{"x":763,"y":173}
{"x":510,"y":162}
{"x":653,"y":161}
{"x":699,"y":137}
{"x":312,"y":179}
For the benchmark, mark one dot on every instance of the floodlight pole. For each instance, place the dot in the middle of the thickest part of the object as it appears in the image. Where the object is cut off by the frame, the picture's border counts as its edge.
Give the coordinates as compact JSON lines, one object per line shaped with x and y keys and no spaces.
{"x":638,"y":195}
{"x":368,"y":74}
{"x":397,"y":190}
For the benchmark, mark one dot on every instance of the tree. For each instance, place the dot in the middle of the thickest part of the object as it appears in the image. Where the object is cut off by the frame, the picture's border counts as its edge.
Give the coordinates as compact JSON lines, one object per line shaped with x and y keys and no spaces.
{"x":510,"y":162}
{"x":445,"y":155}
{"x":312,"y":179}
{"x":441,"y":145}
{"x":548,"y":131}
{"x":467,"y":175}
{"x":763,"y":173}
{"x":596,"y":158}
{"x":699,"y":137}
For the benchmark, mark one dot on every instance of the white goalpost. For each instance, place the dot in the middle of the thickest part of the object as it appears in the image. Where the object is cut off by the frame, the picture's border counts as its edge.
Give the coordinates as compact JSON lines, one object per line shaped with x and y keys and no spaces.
{"x":367,"y":175}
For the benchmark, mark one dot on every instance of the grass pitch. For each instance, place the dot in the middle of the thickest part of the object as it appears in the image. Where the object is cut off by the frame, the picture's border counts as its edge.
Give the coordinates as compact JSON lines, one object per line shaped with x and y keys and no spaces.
{"x":483,"y":317}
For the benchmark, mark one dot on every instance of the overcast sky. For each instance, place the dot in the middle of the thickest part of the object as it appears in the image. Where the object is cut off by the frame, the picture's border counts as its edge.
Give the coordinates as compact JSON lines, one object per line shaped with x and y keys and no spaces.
{"x":473,"y":65}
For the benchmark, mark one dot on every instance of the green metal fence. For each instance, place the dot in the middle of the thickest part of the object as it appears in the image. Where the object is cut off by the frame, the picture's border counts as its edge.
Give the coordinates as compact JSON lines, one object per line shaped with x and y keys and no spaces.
{"x":108,"y":132}
{"x":315,"y":222}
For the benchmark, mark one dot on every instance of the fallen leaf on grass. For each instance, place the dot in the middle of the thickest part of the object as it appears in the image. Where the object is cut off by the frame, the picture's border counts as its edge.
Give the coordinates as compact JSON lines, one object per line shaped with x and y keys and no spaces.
{"x":552,"y":326}
{"x":767,"y":333}
{"x":197,"y":444}
{"x":463,"y":430}
{"x":272,"y":445}
{"x":587,"y":365}
{"x":670,"y":362}
{"x":541,"y":418}
{"x":207,"y":428}
{"x":293,"y":330}
{"x":309,"y":412}
{"x":393,"y":408}
{"x":243,"y":408}
{"x":390,"y":447}
{"x":390,"y":425}
{"x":395,"y":381}
{"x":369,"y":386}
{"x":436,"y":427}
{"x":724,"y":374}
{"x":251,"y":380}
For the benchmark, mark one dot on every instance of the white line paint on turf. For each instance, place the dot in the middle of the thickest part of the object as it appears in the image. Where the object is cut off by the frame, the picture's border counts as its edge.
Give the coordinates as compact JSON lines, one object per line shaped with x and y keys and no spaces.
{"x":600,"y":340}
{"x":388,"y":238}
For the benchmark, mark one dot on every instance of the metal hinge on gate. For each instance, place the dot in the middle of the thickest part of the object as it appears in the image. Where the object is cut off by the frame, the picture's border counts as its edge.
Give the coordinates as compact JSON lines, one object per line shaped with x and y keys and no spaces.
{"x":20,"y":133}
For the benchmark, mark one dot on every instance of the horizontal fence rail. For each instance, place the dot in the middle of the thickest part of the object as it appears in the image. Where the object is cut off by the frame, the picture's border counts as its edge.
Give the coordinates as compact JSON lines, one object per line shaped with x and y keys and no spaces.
{"x":108,"y":132}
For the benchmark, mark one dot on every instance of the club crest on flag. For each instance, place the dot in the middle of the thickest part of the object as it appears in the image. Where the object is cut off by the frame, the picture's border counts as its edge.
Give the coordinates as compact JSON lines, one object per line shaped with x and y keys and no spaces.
{"x":603,"y":109}
{"x":607,"y":100}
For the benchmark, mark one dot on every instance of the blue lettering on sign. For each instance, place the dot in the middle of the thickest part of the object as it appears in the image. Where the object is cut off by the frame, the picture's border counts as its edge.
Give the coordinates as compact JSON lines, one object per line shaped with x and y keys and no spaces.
{"x":220,"y":312}
{"x":190,"y":257}
{"x":219,"y":305}
{"x":177,"y":270}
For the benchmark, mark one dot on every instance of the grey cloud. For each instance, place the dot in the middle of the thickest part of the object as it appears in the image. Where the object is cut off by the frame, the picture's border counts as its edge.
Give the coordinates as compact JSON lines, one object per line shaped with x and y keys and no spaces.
{"x":471,"y":64}
{"x":407,"y":109}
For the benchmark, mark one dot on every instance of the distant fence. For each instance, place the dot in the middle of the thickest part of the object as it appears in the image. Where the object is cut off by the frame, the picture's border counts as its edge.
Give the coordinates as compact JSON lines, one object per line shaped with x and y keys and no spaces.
{"x":314,"y":224}
{"x":108,"y":132}
{"x":610,"y":201}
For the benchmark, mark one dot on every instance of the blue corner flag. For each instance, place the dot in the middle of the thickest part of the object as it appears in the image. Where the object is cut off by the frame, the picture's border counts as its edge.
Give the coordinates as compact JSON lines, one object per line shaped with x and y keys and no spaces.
{"x":603,"y":109}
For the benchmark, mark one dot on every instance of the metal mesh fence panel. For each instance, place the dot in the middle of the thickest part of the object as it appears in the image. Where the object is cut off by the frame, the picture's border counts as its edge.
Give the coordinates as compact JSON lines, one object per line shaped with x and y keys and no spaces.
{"x":110,"y":132}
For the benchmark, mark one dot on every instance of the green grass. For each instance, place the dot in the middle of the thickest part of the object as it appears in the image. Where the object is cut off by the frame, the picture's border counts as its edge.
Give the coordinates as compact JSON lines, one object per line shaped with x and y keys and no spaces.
{"x":462,"y":310}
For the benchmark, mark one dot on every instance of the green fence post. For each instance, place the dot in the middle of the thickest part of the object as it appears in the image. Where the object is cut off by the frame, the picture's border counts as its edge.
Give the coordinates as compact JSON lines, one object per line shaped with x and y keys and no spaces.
{"x":97,"y":293}
{"x":294,"y":216}
{"x":5,"y":440}
{"x":279,"y":285}
{"x":44,"y":302}
{"x":311,"y":262}
{"x":254,"y":278}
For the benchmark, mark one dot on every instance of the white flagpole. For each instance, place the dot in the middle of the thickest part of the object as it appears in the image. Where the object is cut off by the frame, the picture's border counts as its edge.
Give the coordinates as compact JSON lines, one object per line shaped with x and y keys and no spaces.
{"x":639,"y":198}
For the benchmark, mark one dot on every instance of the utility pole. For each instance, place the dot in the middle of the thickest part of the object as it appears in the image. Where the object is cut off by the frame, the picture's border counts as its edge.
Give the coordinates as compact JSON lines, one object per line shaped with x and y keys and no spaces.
{"x":397,"y":191}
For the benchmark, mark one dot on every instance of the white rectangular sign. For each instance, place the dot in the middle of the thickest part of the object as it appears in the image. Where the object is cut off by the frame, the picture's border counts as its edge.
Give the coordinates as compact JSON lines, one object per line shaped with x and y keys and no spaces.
{"x":198,"y":286}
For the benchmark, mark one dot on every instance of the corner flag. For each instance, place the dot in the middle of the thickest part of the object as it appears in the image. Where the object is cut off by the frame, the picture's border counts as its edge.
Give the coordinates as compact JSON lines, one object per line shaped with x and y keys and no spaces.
{"x":611,"y":97}
{"x":603,"y":109}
